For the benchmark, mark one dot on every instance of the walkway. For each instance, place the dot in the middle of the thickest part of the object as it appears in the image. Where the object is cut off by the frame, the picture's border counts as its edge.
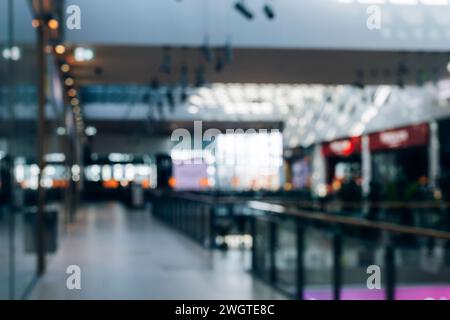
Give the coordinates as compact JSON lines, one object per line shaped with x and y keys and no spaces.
{"x":126,"y":254}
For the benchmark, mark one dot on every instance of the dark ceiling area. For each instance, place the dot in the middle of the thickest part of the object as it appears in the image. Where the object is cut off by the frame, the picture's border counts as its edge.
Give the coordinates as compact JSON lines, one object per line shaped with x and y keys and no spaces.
{"x":133,"y":64}
{"x":165,"y":128}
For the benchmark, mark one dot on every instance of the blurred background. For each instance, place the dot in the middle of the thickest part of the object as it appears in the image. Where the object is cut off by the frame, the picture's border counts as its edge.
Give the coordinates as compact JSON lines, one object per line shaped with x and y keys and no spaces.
{"x":234,"y":149}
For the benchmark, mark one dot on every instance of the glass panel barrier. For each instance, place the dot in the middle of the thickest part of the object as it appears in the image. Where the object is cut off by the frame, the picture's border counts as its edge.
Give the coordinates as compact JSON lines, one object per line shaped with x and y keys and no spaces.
{"x":286,"y":256}
{"x":261,"y":250}
{"x":362,"y":254}
{"x":23,"y":145}
{"x":318,"y":263}
{"x":422,"y":268}
{"x":5,"y":227}
{"x":322,"y":257}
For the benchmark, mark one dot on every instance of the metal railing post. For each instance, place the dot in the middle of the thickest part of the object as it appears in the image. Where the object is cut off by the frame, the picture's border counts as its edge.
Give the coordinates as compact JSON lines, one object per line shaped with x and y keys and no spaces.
{"x":390,"y":271}
{"x":212,"y":224}
{"x":337,"y":264}
{"x":254,"y":246}
{"x":300,"y":268}
{"x":272,"y":251}
{"x":42,"y":58}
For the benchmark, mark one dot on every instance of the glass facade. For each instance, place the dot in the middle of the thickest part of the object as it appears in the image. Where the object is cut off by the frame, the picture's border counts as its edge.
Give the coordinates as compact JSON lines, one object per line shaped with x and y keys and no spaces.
{"x":19,"y":139}
{"x":18,"y":108}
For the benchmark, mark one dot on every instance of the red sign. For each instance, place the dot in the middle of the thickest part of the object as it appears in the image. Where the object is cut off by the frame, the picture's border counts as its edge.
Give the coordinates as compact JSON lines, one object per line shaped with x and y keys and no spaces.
{"x":343,"y":148}
{"x":412,"y":136}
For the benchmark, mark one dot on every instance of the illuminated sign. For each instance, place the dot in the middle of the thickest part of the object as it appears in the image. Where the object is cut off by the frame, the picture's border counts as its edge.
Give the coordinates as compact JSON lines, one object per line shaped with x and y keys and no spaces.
{"x":411,"y":136}
{"x":394,"y":138}
{"x":344,"y":147}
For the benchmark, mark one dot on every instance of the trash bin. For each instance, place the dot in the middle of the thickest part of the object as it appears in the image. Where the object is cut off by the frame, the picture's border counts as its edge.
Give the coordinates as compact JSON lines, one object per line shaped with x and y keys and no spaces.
{"x":50,"y":230}
{"x":137,"y":195}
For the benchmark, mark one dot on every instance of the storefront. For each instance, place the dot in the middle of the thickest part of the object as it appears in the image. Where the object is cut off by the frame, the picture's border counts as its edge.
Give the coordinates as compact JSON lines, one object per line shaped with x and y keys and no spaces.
{"x":400,"y":161}
{"x":343,"y":165}
{"x":444,"y":144}
{"x":118,"y":176}
{"x":298,"y":166}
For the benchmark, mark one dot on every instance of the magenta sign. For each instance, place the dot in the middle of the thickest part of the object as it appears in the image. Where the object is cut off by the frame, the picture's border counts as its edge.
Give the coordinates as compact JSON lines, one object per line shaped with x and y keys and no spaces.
{"x":417,"y":292}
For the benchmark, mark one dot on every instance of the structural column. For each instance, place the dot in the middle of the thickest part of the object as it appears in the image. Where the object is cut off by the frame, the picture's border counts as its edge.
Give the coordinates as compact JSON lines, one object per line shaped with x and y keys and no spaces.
{"x":40,"y":223}
{"x":434,"y":155}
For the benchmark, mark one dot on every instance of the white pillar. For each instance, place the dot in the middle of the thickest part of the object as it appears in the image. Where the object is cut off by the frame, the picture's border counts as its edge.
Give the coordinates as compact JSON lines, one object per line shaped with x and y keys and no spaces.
{"x":318,"y":171}
{"x":366,"y":159}
{"x":434,"y":167}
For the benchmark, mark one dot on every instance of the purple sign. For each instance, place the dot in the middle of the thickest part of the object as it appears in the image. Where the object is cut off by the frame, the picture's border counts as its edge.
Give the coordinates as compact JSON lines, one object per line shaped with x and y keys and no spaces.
{"x":418,"y":292}
{"x":190,"y":176}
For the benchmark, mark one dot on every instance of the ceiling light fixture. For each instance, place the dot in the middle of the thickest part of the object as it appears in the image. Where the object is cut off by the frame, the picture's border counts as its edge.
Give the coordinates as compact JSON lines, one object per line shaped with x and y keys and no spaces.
{"x":53,"y":24}
{"x":74,"y":101}
{"x":60,"y":49}
{"x":69,"y":82}
{"x":65,"y":68}
{"x":76,"y":109}
{"x":72,"y":92}
{"x":35,"y":23}
{"x":268,"y":11}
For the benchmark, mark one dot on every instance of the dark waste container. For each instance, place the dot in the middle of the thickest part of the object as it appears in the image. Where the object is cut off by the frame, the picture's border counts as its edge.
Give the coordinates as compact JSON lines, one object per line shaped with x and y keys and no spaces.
{"x":50,"y":230}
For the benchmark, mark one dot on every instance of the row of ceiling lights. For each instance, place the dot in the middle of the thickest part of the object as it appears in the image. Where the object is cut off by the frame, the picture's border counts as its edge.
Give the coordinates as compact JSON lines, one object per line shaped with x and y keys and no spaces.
{"x":352,"y":113}
{"x":79,"y":55}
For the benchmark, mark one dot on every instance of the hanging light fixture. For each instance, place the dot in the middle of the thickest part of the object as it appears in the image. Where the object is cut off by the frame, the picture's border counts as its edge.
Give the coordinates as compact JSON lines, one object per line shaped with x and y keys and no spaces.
{"x":200,"y":77}
{"x":243,"y":10}
{"x":166,"y":64}
{"x":269,"y":12}
{"x":228,"y":50}
{"x":219,"y":63}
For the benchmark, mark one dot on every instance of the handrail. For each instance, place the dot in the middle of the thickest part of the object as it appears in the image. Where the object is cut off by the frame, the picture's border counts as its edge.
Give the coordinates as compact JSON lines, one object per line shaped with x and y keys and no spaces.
{"x":376,"y":204}
{"x":210,"y":199}
{"x":384,"y":226}
{"x":229,"y":199}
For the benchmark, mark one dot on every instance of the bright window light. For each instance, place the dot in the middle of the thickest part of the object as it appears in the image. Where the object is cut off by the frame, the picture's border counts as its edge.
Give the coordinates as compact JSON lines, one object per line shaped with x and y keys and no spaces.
{"x":106,"y":173}
{"x":60,"y":131}
{"x":83,"y":54}
{"x":249,"y":161}
{"x":13,"y":53}
{"x":90,"y":131}
{"x":193,"y":109}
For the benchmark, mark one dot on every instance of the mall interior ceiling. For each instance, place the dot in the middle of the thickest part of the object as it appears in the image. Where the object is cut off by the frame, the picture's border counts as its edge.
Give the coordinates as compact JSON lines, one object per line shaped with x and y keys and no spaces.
{"x":133,"y":64}
{"x":149,"y":80}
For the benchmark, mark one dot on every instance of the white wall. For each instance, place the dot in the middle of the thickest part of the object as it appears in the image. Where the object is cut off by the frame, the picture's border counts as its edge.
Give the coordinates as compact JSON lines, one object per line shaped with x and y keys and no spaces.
{"x":298,"y":24}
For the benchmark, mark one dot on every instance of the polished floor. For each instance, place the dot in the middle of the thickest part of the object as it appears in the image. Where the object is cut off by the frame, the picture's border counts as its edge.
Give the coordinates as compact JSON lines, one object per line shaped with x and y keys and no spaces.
{"x":127,"y":254}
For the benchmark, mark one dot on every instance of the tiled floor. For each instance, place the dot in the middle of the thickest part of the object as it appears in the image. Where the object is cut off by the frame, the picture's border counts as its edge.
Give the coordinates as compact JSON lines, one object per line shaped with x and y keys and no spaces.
{"x":126,"y":254}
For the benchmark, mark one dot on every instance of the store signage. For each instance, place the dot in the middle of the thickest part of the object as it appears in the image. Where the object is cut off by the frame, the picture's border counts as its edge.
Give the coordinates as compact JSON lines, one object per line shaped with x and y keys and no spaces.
{"x":344,"y":147}
{"x":394,"y":139}
{"x":400,"y":138}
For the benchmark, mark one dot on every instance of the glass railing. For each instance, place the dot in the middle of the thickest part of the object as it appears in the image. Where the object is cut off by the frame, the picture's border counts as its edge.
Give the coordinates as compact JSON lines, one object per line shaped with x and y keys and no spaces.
{"x":312,"y":255}
{"x":308,"y":253}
